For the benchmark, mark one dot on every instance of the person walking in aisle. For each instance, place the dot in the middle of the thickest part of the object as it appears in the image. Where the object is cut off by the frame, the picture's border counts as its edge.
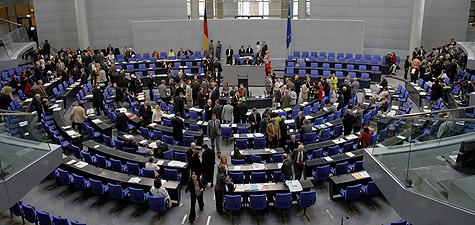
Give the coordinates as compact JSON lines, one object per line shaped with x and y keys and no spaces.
{"x":214,"y":133}
{"x":220,"y":188}
{"x":196,"y":186}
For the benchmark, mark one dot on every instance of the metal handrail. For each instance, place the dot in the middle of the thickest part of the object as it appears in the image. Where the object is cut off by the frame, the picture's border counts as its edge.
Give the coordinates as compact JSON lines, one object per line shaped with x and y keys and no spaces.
{"x":433,"y":112}
{"x":8,"y":21}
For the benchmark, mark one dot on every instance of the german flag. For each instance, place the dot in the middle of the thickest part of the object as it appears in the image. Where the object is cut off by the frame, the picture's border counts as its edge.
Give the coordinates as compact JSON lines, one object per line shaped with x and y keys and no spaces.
{"x":205,"y":29}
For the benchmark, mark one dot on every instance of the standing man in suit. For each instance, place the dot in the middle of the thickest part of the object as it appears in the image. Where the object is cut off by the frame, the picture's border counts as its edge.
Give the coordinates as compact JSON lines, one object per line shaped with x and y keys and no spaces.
{"x":273,"y":133}
{"x":217,"y":76}
{"x":235,"y":98}
{"x":285,"y":100}
{"x":120,"y":121}
{"x":179,"y":103}
{"x":227,"y":114}
{"x":145,"y":112}
{"x":241,"y":51}
{"x":299,"y":158}
{"x":200,"y":98}
{"x":151,"y":84}
{"x":162,"y":91}
{"x":211,"y":49}
{"x":97,"y":99}
{"x":298,"y":122}
{"x":229,"y":55}
{"x":240,"y":112}
{"x":264,"y":47}
{"x":214,"y":133}
{"x":249,"y":50}
{"x":92,"y":71}
{"x":286,"y":169}
{"x":254,"y":119}
{"x":178,"y":127}
{"x":195,"y":87}
{"x":109,"y":48}
{"x":76,"y":117}
{"x":217,"y":109}
{"x":213,"y":93}
{"x":208,"y":110}
{"x":218,"y":51}
{"x":188,"y":93}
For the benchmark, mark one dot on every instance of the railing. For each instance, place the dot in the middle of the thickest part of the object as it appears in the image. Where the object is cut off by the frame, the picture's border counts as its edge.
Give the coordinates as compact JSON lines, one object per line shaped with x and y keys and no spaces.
{"x":15,"y":40}
{"x":422,"y":152}
{"x":22,"y":142}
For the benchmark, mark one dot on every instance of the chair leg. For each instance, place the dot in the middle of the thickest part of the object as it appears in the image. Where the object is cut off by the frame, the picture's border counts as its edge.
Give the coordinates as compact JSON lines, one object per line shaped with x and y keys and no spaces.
{"x":305,"y":213}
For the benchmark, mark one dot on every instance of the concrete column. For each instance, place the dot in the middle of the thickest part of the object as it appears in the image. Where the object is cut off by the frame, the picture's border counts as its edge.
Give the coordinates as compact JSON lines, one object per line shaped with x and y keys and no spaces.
{"x":195,"y":9}
{"x":416,"y":26}
{"x":302,"y":9}
{"x":227,"y":9}
{"x":209,"y":9}
{"x":81,"y":21}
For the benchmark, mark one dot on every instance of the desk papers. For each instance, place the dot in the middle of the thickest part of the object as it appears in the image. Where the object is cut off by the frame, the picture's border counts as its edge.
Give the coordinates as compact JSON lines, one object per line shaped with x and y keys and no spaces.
{"x":135,"y":180}
{"x":294,"y":185}
{"x":81,"y":164}
{"x":71,"y":162}
{"x":328,"y":159}
{"x":350,"y":154}
{"x":160,"y":162}
{"x":258,"y":166}
{"x":236,"y":135}
{"x":177,"y":164}
{"x":152,"y":145}
{"x":237,"y":167}
{"x":279,"y":165}
{"x":258,"y":135}
{"x":253,"y":187}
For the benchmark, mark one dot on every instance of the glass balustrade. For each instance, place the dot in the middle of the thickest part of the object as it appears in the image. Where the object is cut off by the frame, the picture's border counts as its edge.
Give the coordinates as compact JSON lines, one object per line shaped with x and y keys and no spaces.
{"x":422,"y":151}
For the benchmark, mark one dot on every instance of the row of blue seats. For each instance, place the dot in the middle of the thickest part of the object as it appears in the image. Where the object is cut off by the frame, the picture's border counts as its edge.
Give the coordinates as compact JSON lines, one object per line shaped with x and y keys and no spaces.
{"x":336,"y":66}
{"x":116,"y":191}
{"x":326,"y":73}
{"x":36,"y":216}
{"x":339,"y":57}
{"x":163,"y":55}
{"x":7,"y":74}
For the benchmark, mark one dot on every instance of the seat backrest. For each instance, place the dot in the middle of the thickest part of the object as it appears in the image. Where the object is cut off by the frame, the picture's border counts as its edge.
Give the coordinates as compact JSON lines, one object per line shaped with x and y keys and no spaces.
{"x":341,"y":168}
{"x":371,"y":188}
{"x":133,"y":169}
{"x":317,"y":153}
{"x":171,"y":174}
{"x":116,"y":191}
{"x":255,"y":158}
{"x":44,"y":218}
{"x":79,"y":182}
{"x":30,"y":213}
{"x":307,"y":198}
{"x":238,"y":177}
{"x":157,"y":204}
{"x":277,"y":158}
{"x":181,"y":156}
{"x":257,"y":202}
{"x":258,"y":177}
{"x":353,"y":192}
{"x":238,"y":161}
{"x":168,"y":155}
{"x":323,"y":172}
{"x":137,"y":195}
{"x":241,"y":144}
{"x":59,"y":221}
{"x":232,"y":202}
{"x":96,"y":187}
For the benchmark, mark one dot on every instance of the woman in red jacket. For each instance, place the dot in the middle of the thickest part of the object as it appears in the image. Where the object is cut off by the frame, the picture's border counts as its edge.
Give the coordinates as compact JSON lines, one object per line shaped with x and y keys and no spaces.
{"x":365,"y":138}
{"x":268,"y":68}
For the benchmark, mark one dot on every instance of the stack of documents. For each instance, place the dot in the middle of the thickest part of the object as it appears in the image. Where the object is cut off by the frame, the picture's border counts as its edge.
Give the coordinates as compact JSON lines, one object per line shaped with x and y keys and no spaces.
{"x":258,"y":166}
{"x":294,"y":185}
{"x":135,"y":180}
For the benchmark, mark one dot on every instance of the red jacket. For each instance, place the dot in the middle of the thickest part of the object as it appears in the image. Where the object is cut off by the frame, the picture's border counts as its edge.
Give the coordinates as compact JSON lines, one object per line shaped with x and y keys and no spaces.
{"x":268,"y":67}
{"x":364,"y":138}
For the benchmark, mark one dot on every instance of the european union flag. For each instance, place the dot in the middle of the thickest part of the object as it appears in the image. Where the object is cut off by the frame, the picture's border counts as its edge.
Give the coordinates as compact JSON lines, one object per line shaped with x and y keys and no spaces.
{"x":289,"y":29}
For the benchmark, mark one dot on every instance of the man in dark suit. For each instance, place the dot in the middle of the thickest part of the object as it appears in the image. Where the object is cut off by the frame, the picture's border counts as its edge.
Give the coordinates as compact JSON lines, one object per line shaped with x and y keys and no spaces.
{"x":297,"y":85}
{"x":264,"y":47}
{"x":241,"y":51}
{"x":195,"y":88}
{"x":190,"y":151}
{"x":208,"y":110}
{"x":213,"y":93}
{"x":178,"y":127}
{"x":92,"y":71}
{"x":200,"y":98}
{"x":235,"y":98}
{"x":217,"y":109}
{"x":263,"y":123}
{"x":217,"y":76}
{"x":298,"y":121}
{"x":109,"y":49}
{"x":161,"y":147}
{"x":145,"y":112}
{"x":120,"y":121}
{"x":254,"y":119}
{"x":249,"y":50}
{"x":299,"y":158}
{"x":130,"y":143}
{"x":83,"y":77}
{"x":179,"y":103}
{"x":240,"y":112}
{"x":214,"y":133}
{"x":286,"y":169}
{"x":229,"y":54}
{"x":97,"y":99}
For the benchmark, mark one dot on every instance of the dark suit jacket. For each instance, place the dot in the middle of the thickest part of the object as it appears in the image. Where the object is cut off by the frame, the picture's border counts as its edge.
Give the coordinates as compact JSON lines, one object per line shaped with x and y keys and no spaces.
{"x":221,"y":181}
{"x":295,"y":155}
{"x":178,"y":127}
{"x":208,"y":112}
{"x":158,"y":152}
{"x":201,"y":99}
{"x":234,"y":100}
{"x":286,"y":167}
{"x":298,"y":122}
{"x":241,"y":110}
{"x":179,"y":104}
{"x":145,"y":113}
{"x":253,"y":119}
{"x":229,"y":52}
{"x":121,"y":122}
{"x":218,"y":110}
{"x":97,"y":96}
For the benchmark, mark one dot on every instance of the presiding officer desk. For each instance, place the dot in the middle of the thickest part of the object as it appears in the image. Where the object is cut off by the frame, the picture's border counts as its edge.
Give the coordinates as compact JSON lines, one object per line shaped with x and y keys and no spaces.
{"x":72,"y":165}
